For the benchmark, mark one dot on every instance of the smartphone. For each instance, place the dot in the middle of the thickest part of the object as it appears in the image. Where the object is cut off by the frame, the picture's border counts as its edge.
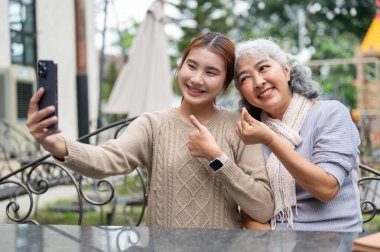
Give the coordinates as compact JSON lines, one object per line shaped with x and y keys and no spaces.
{"x":47,"y":78}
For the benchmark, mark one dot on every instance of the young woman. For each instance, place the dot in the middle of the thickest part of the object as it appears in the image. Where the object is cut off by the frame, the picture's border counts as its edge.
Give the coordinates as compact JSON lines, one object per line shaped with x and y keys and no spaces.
{"x":311,"y":147}
{"x":199,"y":170}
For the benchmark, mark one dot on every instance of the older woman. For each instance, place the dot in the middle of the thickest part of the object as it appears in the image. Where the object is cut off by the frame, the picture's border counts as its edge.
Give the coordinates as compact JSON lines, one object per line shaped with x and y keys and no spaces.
{"x":310,"y":146}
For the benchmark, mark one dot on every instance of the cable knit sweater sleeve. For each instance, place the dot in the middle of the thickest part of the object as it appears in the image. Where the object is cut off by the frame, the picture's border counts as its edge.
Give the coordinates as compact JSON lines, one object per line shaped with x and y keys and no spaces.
{"x":246,"y":179}
{"x":117,"y":156}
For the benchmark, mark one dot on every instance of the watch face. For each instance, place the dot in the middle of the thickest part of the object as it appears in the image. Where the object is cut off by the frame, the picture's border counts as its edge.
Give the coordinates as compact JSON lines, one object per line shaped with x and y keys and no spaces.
{"x":216,"y":164}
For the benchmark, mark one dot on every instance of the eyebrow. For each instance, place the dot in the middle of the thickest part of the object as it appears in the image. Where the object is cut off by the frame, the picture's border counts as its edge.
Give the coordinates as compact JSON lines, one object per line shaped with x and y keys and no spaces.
{"x":261,"y":62}
{"x":256,"y":65}
{"x":192,"y":61}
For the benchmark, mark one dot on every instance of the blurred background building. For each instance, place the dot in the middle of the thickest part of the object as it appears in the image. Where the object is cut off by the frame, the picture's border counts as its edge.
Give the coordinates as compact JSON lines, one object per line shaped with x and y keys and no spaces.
{"x":44,"y":29}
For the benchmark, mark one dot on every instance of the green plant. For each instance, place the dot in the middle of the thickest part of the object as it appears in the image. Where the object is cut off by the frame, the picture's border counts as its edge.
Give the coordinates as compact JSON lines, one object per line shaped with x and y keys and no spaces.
{"x":373,"y":225}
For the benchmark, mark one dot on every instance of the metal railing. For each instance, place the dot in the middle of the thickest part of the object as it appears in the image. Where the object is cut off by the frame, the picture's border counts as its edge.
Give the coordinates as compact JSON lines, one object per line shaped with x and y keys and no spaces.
{"x":369,"y":186}
{"x":35,"y":178}
{"x":15,"y":144}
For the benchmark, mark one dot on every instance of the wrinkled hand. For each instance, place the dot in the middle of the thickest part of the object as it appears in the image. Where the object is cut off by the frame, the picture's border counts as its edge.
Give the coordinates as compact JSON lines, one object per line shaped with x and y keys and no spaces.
{"x":37,"y":124}
{"x":252,"y":131}
{"x":201,"y":142}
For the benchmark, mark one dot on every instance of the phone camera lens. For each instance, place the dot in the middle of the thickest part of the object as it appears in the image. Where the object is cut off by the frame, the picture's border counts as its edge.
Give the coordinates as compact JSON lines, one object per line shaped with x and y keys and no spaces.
{"x":42,"y":69}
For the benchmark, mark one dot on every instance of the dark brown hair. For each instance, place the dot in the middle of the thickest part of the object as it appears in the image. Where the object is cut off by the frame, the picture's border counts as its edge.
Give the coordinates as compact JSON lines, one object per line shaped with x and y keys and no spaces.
{"x":218,"y":44}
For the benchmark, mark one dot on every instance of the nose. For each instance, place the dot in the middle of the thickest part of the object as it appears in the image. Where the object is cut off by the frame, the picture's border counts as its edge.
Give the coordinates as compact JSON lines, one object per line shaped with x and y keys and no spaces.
{"x":258,"y":81}
{"x":197,"y":77}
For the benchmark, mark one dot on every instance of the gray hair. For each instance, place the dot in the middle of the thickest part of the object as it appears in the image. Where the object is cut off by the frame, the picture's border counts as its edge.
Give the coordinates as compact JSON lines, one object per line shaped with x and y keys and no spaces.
{"x":300,"y":76}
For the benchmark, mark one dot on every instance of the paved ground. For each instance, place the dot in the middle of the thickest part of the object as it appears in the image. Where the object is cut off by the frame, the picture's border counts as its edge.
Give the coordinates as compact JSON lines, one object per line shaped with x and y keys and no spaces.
{"x":59,"y":192}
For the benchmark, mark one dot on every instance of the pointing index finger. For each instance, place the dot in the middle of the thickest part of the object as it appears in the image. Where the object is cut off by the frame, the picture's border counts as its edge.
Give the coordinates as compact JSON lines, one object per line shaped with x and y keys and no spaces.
{"x":195,"y":122}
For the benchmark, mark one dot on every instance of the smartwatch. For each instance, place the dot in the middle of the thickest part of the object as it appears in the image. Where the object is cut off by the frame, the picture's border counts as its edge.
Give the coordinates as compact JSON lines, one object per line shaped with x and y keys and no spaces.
{"x":217,"y":163}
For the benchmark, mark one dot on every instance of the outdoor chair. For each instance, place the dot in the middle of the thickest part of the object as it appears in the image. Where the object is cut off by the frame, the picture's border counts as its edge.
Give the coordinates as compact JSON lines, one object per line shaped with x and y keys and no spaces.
{"x":369,"y":187}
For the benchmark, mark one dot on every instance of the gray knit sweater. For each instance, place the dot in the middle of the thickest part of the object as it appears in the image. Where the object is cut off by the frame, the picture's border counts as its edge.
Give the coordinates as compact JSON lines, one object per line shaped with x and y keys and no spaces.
{"x":330,"y":140}
{"x":183,"y":190}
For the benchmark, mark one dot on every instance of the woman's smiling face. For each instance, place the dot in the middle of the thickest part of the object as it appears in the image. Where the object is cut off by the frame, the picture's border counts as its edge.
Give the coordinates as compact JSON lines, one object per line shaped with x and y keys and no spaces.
{"x":202,"y":76}
{"x":264,"y":83}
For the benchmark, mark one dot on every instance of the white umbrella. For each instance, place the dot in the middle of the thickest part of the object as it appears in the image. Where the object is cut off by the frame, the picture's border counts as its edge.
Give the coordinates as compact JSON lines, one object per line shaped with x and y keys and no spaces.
{"x":144,"y":82}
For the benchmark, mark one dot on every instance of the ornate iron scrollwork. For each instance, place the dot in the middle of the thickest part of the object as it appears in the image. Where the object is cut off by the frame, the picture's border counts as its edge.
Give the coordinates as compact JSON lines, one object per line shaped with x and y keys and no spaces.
{"x":369,"y":185}
{"x":35,"y":178}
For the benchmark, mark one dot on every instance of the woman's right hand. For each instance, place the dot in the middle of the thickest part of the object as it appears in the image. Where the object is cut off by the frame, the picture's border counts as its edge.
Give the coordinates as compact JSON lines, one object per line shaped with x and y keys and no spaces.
{"x":252,"y":131}
{"x":37,"y":124}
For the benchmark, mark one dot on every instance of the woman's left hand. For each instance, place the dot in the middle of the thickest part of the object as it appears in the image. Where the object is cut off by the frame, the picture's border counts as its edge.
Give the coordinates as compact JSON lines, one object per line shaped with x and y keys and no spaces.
{"x":252,"y":131}
{"x":202,"y":143}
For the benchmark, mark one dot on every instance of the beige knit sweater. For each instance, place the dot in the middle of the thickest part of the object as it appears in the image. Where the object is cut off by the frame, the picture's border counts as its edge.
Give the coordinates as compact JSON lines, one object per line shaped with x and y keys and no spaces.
{"x":184,"y":191}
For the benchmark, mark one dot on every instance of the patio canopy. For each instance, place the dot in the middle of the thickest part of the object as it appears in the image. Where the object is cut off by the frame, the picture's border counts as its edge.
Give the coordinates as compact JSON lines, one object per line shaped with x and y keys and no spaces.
{"x":144,"y":82}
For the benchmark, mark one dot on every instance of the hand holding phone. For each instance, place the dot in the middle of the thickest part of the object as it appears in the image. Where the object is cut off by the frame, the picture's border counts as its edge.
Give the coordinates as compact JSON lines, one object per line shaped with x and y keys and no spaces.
{"x":47,"y":78}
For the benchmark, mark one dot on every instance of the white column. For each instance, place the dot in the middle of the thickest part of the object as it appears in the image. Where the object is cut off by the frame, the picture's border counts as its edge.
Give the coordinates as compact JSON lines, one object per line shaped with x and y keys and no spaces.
{"x":5,"y":59}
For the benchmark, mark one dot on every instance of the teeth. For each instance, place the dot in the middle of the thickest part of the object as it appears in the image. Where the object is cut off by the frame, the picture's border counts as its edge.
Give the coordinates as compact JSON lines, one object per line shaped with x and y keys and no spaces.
{"x":265,"y":93}
{"x":195,"y":90}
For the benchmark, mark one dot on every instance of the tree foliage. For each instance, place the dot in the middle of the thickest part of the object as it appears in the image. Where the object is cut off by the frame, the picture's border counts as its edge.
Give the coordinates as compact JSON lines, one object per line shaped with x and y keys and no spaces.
{"x":240,"y":19}
{"x":200,"y":16}
{"x":333,"y":28}
{"x":323,"y":19}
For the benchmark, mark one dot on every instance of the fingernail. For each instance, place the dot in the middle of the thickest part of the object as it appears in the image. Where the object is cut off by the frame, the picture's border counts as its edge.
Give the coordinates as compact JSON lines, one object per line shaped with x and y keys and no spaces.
{"x":191,"y":117}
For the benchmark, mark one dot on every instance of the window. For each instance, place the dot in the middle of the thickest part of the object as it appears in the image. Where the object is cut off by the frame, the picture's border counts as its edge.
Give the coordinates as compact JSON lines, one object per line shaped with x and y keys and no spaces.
{"x":22,"y":23}
{"x":24,"y":93}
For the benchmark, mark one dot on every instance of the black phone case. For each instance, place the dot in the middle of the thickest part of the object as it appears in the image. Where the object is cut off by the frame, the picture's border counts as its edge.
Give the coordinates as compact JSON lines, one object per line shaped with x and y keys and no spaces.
{"x":47,"y":78}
